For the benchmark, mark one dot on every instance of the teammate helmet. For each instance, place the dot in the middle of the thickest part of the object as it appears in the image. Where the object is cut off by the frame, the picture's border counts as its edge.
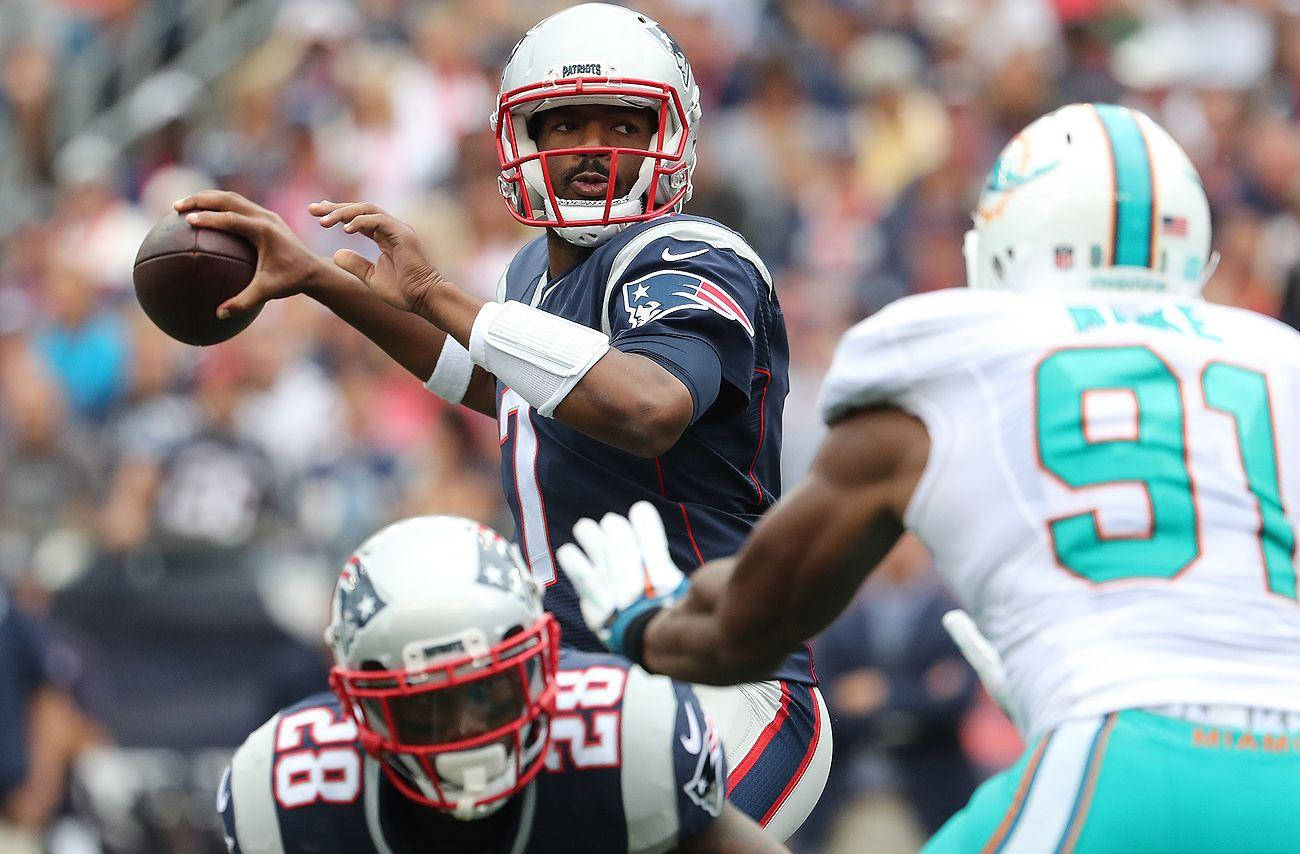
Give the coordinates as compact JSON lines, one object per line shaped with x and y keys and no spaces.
{"x":1091,"y":196}
{"x":595,"y":53}
{"x":446,"y":661}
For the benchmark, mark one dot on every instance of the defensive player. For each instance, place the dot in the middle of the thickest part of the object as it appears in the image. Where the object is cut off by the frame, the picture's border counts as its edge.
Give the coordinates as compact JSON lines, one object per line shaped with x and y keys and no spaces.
{"x":457,"y":724}
{"x":1104,"y":467}
{"x":632,"y":353}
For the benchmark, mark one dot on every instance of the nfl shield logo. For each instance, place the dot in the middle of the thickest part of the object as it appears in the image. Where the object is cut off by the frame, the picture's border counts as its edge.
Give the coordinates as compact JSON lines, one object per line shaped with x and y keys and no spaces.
{"x":1064,"y":257}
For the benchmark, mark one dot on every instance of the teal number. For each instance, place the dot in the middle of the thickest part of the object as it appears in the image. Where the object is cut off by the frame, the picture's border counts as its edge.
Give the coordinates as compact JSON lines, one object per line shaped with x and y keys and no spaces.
{"x":1243,"y":394}
{"x":1156,"y":459}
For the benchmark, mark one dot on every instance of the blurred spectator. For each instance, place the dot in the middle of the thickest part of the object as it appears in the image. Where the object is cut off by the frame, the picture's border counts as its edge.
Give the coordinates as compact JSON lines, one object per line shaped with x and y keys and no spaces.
{"x":26,"y":84}
{"x":343,"y":498}
{"x":289,"y":407}
{"x":902,"y":130}
{"x":83,"y":345}
{"x":42,"y":730}
{"x":202,"y":494}
{"x":94,"y":229}
{"x":48,"y":470}
{"x":897,"y":689}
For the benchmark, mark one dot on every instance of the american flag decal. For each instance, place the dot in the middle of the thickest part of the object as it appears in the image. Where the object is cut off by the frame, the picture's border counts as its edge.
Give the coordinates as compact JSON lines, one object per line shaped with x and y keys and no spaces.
{"x":1175,"y":226}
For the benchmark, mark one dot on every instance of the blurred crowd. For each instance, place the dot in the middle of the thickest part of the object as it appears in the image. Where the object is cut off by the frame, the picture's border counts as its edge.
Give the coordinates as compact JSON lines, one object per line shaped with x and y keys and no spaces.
{"x":174,"y":512}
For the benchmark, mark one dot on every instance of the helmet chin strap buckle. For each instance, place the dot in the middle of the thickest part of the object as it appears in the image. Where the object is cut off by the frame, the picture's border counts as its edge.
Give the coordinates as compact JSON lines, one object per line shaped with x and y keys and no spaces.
{"x":471,"y":771}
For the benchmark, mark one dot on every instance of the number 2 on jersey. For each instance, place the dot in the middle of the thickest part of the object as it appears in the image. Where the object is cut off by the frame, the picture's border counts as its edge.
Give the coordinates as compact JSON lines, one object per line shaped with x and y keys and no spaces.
{"x":1156,"y":457}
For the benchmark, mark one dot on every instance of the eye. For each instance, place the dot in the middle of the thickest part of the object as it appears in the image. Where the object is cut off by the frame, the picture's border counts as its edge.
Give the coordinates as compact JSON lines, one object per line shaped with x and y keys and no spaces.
{"x":564,"y":127}
{"x":627,"y":128}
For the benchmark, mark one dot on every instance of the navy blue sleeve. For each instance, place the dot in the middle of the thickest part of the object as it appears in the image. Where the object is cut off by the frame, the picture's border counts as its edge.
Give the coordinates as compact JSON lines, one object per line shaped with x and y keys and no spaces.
{"x":691,"y":308}
{"x":700,"y":766}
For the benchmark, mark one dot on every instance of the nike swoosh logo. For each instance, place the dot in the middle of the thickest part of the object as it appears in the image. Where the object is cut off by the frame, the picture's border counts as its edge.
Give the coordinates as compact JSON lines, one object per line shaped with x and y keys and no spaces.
{"x":670,"y":257}
{"x":693,"y":742}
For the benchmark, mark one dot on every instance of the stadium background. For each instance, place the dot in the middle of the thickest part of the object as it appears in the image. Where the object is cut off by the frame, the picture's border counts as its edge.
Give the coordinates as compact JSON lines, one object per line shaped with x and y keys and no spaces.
{"x":172,"y":519}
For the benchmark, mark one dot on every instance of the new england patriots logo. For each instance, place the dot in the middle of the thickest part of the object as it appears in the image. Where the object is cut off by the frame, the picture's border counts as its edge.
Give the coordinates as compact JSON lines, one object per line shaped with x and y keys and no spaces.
{"x":706,"y":746}
{"x":667,"y":291}
{"x":498,"y":567}
{"x":358,"y":602}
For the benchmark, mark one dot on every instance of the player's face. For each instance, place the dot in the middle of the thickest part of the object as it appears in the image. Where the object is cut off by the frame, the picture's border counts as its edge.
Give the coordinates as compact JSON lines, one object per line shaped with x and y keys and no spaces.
{"x":465,"y":711}
{"x":586,"y":176}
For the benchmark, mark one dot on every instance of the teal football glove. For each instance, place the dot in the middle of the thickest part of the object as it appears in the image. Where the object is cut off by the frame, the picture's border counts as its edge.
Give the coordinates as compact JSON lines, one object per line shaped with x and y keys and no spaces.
{"x":623,"y":573}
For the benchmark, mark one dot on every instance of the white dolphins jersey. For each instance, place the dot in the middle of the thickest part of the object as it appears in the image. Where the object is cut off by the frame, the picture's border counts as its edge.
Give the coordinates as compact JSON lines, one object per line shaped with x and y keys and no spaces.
{"x":1111,"y":490}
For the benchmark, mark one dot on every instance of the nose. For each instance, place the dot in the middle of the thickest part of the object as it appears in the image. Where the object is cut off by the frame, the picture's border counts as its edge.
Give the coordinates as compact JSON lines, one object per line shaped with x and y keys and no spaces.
{"x":594,"y":133}
{"x":471,"y":720}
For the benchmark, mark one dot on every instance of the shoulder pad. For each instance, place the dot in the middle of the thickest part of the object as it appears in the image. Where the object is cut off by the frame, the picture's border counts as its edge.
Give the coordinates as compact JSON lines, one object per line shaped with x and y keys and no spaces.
{"x":663,"y":238}
{"x":675,"y":775}
{"x":881,"y":357}
{"x":296,"y":783}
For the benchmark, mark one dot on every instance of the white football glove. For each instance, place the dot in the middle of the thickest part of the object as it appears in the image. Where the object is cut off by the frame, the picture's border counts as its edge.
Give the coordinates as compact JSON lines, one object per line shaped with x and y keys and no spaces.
{"x":621,"y":569}
{"x":981,"y":655}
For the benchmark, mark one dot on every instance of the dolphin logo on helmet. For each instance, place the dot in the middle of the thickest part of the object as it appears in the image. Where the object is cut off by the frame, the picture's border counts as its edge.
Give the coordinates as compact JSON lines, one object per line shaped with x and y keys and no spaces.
{"x":1103,"y":187}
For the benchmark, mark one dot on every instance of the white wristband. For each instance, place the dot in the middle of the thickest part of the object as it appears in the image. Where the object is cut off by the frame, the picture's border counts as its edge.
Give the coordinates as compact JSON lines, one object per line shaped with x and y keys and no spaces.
{"x":450,"y":377}
{"x":538,"y":354}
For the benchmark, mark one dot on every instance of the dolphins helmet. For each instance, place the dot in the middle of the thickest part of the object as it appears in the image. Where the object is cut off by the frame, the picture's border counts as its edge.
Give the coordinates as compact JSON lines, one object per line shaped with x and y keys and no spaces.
{"x":1091,"y":196}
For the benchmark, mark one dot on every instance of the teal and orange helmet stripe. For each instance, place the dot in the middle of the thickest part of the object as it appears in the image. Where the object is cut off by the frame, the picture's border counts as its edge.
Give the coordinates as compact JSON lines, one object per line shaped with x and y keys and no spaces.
{"x":1133,"y":231}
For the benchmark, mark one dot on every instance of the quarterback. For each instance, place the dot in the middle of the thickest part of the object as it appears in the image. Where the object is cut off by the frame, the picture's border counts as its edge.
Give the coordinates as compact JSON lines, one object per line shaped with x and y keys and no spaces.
{"x":1105,"y":468}
{"x":632,"y":353}
{"x":456,"y":723}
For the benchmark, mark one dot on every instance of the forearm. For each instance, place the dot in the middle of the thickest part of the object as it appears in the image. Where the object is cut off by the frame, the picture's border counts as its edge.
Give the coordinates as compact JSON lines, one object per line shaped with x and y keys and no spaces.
{"x":737,"y":622}
{"x":622,"y":399}
{"x":733,"y":833}
{"x":408,"y":339}
{"x":691,"y":642}
{"x":630,"y":403}
{"x":794,"y":575}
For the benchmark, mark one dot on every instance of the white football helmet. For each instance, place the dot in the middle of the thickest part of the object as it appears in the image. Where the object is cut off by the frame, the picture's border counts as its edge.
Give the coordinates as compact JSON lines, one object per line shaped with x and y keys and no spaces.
{"x":1091,"y":196}
{"x":446,"y":661}
{"x":595,"y":53}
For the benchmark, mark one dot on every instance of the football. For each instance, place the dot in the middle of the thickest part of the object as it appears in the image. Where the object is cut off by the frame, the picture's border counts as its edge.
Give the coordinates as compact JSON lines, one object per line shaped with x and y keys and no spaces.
{"x":182,"y":274}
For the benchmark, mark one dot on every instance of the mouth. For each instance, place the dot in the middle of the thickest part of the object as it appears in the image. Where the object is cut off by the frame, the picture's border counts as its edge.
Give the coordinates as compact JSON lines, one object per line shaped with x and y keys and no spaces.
{"x":589,"y":185}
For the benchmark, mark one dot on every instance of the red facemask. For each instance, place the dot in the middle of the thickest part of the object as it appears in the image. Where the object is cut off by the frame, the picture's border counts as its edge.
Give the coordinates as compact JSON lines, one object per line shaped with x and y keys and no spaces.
{"x":518,"y":155}
{"x":505,"y":696}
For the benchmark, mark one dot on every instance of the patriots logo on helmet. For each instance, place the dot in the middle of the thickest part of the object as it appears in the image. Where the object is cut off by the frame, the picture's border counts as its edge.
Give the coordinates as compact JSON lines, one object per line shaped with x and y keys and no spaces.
{"x":499,"y":567}
{"x":706,"y":745}
{"x":669,"y":291}
{"x":679,"y":55}
{"x":359,"y":602}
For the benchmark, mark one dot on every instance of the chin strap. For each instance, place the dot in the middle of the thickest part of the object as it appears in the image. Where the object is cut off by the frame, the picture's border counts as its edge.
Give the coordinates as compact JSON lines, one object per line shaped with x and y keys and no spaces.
{"x":471,"y":771}
{"x":474,"y":781}
{"x":594,"y":232}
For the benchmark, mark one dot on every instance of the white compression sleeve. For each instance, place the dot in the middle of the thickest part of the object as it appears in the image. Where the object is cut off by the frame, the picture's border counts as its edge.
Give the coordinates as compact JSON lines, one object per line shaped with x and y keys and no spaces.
{"x":450,"y":377}
{"x":539,"y":355}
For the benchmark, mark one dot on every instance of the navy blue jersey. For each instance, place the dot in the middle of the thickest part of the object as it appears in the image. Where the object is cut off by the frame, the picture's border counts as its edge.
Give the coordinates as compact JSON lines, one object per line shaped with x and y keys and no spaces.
{"x":22,"y":671}
{"x":694,"y":297}
{"x":634,"y":765}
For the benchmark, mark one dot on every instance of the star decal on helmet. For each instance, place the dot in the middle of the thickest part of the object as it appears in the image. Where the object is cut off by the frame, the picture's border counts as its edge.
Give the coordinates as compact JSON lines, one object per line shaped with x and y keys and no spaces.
{"x":359,"y":602}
